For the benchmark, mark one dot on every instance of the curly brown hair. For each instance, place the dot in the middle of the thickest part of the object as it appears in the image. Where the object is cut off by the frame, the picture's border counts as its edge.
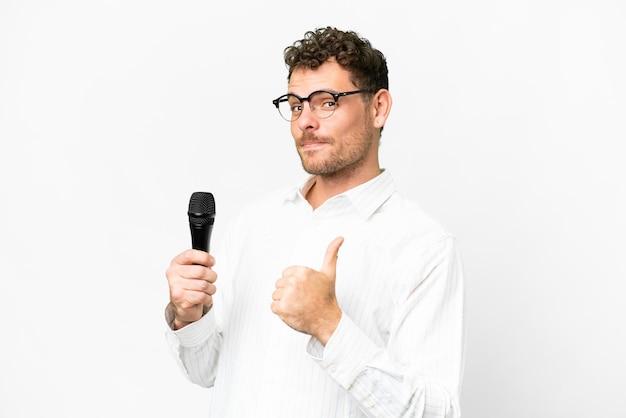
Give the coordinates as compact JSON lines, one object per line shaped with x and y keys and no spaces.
{"x":367,"y":65}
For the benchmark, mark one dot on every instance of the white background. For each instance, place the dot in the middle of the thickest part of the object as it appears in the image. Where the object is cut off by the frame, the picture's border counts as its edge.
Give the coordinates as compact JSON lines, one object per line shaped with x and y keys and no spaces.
{"x":508,"y":126}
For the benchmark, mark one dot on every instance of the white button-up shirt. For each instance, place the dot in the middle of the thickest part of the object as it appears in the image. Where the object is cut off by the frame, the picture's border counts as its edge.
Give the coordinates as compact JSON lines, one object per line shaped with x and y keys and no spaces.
{"x":398,"y":350}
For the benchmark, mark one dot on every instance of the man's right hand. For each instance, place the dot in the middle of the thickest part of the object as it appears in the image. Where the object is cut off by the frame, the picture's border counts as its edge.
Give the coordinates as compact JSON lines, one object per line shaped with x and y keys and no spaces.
{"x":191,"y":281}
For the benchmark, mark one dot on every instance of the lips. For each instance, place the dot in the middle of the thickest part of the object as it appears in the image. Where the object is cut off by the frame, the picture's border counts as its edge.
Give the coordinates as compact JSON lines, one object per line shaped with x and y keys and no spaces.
{"x":312,"y":144}
{"x":308,"y":142}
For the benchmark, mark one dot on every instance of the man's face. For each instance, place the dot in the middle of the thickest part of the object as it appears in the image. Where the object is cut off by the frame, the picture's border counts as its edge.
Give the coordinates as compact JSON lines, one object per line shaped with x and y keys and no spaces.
{"x":343,"y":143}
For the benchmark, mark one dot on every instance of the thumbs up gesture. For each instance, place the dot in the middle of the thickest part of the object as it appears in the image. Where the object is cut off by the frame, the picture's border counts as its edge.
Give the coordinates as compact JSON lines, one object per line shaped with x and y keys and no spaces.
{"x":305,"y":298}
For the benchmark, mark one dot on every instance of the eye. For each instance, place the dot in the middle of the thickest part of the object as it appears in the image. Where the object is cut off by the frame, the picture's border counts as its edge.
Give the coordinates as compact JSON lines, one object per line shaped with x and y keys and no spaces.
{"x":295,"y":105}
{"x":328,"y":104}
{"x":323,"y":101}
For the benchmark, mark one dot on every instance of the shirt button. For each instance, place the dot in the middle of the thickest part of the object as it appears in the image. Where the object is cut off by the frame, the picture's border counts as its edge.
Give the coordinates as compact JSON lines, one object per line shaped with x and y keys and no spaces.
{"x":332,"y":368}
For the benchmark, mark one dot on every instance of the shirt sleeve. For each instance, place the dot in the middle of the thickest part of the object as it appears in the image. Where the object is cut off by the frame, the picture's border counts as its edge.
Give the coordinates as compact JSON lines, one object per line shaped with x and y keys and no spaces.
{"x":196,"y":347}
{"x":418,"y":372}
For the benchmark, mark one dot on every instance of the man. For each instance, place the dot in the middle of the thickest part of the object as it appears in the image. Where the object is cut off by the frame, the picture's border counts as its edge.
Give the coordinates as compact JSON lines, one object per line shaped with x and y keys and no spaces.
{"x":372,"y":327}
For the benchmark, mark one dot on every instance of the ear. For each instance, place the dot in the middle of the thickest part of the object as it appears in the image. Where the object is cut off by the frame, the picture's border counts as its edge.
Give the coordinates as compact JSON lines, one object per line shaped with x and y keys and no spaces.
{"x":381,"y":107}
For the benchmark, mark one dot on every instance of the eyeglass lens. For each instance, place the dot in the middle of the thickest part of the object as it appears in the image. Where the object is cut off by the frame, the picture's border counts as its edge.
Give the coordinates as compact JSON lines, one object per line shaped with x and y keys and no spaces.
{"x":322,"y":103}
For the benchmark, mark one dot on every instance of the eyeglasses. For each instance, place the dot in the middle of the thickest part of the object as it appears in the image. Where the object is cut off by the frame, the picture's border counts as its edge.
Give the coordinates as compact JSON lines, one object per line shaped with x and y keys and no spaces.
{"x":322,"y":103}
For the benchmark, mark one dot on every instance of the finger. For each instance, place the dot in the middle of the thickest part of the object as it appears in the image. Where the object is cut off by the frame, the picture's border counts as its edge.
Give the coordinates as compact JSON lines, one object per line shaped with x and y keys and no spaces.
{"x":193,"y":300}
{"x":294,"y":271}
{"x":329,"y":266}
{"x":199,"y":286}
{"x":279,"y":283}
{"x":196,"y":271}
{"x":195,"y":257}
{"x":186,"y":299}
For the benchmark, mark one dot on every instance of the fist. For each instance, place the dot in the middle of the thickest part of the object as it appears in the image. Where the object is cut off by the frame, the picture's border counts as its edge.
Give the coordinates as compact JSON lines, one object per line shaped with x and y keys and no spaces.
{"x":305,"y":299}
{"x":191,"y":282}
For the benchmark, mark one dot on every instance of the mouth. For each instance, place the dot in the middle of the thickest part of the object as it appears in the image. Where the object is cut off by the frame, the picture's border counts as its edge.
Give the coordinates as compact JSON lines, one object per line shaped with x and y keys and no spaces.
{"x":312,"y":145}
{"x":309,"y":142}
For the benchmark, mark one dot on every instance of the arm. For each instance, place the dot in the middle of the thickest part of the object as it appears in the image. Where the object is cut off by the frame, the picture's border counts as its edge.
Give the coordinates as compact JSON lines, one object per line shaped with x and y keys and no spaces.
{"x":195,"y":347}
{"x":418,"y":373}
{"x":193,"y":335}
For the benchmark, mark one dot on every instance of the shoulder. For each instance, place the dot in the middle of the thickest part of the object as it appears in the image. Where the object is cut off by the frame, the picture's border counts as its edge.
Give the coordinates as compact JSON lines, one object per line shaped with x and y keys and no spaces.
{"x":411,"y":227}
{"x":263,"y":207}
{"x":419,"y":244}
{"x":269,"y":201}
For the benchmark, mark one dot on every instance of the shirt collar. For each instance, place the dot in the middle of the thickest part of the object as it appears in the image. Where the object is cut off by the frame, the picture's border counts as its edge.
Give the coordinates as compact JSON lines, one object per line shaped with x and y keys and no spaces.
{"x":365,"y":198}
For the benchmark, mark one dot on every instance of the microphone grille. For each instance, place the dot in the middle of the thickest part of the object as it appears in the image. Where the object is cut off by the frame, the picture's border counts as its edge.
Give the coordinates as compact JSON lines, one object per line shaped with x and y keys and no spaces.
{"x":201,"y":208}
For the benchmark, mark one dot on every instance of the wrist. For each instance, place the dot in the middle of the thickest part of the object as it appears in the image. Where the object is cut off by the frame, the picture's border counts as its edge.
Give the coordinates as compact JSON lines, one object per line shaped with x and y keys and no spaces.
{"x":175,"y":322}
{"x":328,"y":327}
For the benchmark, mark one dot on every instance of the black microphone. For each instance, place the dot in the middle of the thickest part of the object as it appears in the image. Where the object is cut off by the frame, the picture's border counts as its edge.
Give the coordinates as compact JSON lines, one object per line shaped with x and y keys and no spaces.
{"x":201,"y":218}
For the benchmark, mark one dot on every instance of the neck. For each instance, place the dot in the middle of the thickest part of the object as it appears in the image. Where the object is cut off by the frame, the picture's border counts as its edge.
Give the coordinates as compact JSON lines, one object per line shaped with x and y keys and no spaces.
{"x":329,"y":185}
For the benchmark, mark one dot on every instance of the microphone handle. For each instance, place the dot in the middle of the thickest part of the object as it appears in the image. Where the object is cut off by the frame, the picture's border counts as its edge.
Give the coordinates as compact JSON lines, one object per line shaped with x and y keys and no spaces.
{"x":201,"y":237}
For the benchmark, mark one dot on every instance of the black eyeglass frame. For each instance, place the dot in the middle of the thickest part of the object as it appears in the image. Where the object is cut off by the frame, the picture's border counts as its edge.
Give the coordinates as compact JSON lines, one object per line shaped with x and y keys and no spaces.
{"x":336,"y":96}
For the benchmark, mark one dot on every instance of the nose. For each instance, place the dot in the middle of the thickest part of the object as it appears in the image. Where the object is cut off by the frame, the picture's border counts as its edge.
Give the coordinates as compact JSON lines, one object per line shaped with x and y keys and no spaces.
{"x":307,"y":119}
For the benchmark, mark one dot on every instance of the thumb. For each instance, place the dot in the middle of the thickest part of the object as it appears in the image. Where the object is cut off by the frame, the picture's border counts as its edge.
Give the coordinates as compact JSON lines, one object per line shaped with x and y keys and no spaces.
{"x":330,"y":259}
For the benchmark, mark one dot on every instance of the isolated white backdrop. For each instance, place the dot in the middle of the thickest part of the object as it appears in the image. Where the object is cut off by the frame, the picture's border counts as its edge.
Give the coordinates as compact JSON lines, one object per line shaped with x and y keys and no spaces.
{"x":507,"y":125}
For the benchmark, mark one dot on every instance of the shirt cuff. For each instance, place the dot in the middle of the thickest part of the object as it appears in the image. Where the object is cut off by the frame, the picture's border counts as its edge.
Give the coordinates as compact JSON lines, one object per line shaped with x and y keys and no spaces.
{"x":346,"y":354}
{"x":195,"y":333}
